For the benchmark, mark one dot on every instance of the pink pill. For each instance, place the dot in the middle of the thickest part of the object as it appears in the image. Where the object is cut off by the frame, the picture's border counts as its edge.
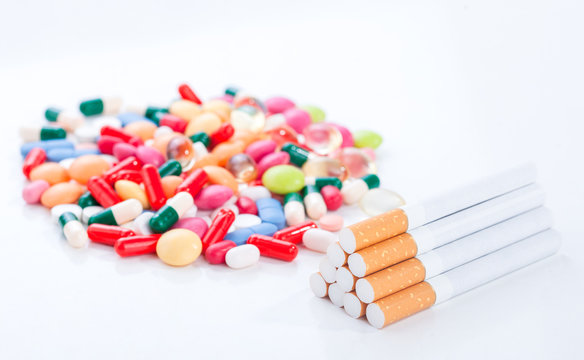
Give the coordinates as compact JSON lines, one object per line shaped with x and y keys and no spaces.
{"x":348,"y":140}
{"x":331,"y":222}
{"x":278,"y":104}
{"x":215,"y":253}
{"x":212,"y":196}
{"x":123,"y":150}
{"x":258,"y":149}
{"x":33,"y":191}
{"x":195,"y":224}
{"x":246,"y":205}
{"x":369,"y":152}
{"x":149,"y":155}
{"x":106,"y":143}
{"x":297,"y":119}
{"x":226,"y":97}
{"x":332,"y":197}
{"x":277,"y":158}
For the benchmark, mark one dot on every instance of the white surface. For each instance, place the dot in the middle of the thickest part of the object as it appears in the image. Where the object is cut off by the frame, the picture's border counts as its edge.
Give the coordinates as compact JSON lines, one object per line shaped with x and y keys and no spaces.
{"x":458,"y":89}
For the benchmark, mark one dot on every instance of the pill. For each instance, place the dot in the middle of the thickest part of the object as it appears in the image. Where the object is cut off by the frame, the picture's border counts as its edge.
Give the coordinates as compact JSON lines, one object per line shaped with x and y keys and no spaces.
{"x":318,"y":286}
{"x":179,"y":247}
{"x":255,"y":192}
{"x":205,"y":122}
{"x":187,"y":93}
{"x":283,"y":179}
{"x":220,"y":176}
{"x":278,"y":104}
{"x":69,"y":120}
{"x":212,"y":197}
{"x":271,"y":211}
{"x":185,"y":109}
{"x":141,"y":224}
{"x":313,"y":202}
{"x":240,"y":236}
{"x":143,"y":129}
{"x":246,"y":205}
{"x":318,"y":239}
{"x":297,"y":119}
{"x":194,"y":182}
{"x":294,"y":209}
{"x":295,"y":233}
{"x":258,"y":149}
{"x":57,"y":155}
{"x":242,"y":256}
{"x":86,"y":166}
{"x":195,"y":224}
{"x":58,"y":210}
{"x":215,"y":254}
{"x":171,"y":212}
{"x":106,"y":106}
{"x":246,"y":220}
{"x":171,"y":167}
{"x":352,"y":191}
{"x":136,"y":245}
{"x":170,"y":183}
{"x":107,"y":234}
{"x":201,"y":137}
{"x":118,"y":214}
{"x":331,"y":222}
{"x":149,"y":155}
{"x":153,"y":187}
{"x":86,"y":199}
{"x":88,"y":212}
{"x":130,"y":190}
{"x":332,"y":197}
{"x":222,"y":134}
{"x":378,"y":201}
{"x":33,"y":191}
{"x":218,"y":228}
{"x":123,"y":150}
{"x":131,"y":163}
{"x":73,"y":230}
{"x":367,"y":138}
{"x":271,"y":160}
{"x":102,"y":192}
{"x":274,"y":248}
{"x":219,"y":107}
{"x":192,"y":212}
{"x":62,"y":193}
{"x":51,"y":172}
{"x":45,"y":145}
{"x":34,"y":158}
{"x":348,"y":140}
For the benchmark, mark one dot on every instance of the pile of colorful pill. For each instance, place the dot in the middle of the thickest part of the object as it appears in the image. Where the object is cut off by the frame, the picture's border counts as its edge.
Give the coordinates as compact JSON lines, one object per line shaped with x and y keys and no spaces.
{"x":201,"y":177}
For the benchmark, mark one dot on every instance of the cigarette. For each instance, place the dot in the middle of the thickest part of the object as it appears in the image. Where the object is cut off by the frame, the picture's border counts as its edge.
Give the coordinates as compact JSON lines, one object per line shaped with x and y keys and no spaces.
{"x":443,"y":231}
{"x":462,"y":279}
{"x":345,"y":279}
{"x":318,"y":286}
{"x":410,"y":272}
{"x":354,"y":307}
{"x":336,"y":255}
{"x":378,"y":228}
{"x":336,"y":294}
{"x":327,"y":271}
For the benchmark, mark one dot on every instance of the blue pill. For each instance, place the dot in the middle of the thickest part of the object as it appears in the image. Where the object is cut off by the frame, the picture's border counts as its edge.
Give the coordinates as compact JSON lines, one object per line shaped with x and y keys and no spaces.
{"x":128,"y":118}
{"x":59,"y":154}
{"x":266,"y":228}
{"x":270,"y":211}
{"x":239,"y":236}
{"x":266,"y":203}
{"x":45,"y":145}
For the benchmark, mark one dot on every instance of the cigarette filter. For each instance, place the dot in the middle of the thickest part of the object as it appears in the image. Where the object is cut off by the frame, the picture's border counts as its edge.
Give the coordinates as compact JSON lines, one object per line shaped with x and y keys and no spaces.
{"x":318,"y":286}
{"x":345,"y":279}
{"x":354,"y":307}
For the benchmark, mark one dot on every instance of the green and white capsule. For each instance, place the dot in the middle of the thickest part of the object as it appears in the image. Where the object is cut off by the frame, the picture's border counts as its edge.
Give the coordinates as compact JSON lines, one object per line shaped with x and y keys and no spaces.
{"x":67,"y":119}
{"x":154,"y":113}
{"x":294,"y":209}
{"x":171,"y":167}
{"x":354,"y":190}
{"x":73,"y":230}
{"x":101,"y":106}
{"x":37,"y":133}
{"x":169,"y":214}
{"x":118,"y":214}
{"x":314,"y":202}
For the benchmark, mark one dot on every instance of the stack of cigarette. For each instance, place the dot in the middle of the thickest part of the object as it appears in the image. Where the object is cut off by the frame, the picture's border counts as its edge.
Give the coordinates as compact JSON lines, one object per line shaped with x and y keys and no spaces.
{"x":396,"y":264}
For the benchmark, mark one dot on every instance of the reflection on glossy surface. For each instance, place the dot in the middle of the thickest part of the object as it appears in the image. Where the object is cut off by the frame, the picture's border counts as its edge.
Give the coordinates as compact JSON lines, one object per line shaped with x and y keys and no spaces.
{"x":180,"y":148}
{"x":377,"y":201}
{"x":322,"y":138}
{"x":248,"y":118}
{"x":357,"y":161}
{"x":242,"y":167}
{"x":323,"y":166}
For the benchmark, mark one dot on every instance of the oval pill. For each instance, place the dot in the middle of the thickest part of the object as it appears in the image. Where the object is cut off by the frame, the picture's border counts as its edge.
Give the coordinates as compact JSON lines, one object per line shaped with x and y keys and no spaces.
{"x":63,"y":193}
{"x":215,"y":254}
{"x":242,"y":256}
{"x":318,"y":239}
{"x":179,"y":247}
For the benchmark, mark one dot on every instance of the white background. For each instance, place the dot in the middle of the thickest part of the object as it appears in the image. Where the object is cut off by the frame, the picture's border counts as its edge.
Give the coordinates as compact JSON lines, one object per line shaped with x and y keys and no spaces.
{"x":458,"y":90}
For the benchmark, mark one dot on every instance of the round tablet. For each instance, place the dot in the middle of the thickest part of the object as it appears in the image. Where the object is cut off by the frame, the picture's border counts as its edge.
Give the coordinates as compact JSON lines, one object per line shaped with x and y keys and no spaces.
{"x":246,"y":220}
{"x":331,"y":222}
{"x":179,"y":247}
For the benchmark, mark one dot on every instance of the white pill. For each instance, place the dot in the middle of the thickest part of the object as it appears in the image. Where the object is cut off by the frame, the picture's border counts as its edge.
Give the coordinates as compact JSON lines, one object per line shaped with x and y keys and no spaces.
{"x":294,"y":212}
{"x":181,"y":203}
{"x":70,"y":120}
{"x":142,"y":223}
{"x":112,"y":160}
{"x":318,"y":239}
{"x":128,"y":225}
{"x":200,"y":150}
{"x":87,"y":133}
{"x":192,"y":212}
{"x":274,"y":120}
{"x":111,"y":105}
{"x":246,"y":220}
{"x":242,"y":256}
{"x":161,"y":131}
{"x":255,"y":192}
{"x":353,"y":191}
{"x":58,"y":210}
{"x":66,"y":163}
{"x":89,"y":212}
{"x":315,"y":205}
{"x":126,"y":210}
{"x":327,"y":271}
{"x":102,"y":121}
{"x":75,"y":234}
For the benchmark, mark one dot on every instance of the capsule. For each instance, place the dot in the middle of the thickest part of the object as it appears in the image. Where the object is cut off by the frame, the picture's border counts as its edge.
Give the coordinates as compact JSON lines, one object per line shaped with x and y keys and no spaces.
{"x":294,"y":209}
{"x":324,"y":181}
{"x":218,"y":228}
{"x":46,"y":145}
{"x":130,"y":175}
{"x":313,"y":202}
{"x":224,"y":133}
{"x":274,"y":248}
{"x":153,"y":187}
{"x":108,"y":234}
{"x":118,"y":214}
{"x":129,"y":163}
{"x":332,"y":197}
{"x":174,"y":122}
{"x":354,"y":190}
{"x":294,"y":234}
{"x":242,"y":256}
{"x":41,"y":133}
{"x":201,"y":137}
{"x":215,"y":253}
{"x":34,"y":158}
{"x":73,"y":230}
{"x":87,"y":200}
{"x":298,"y":155}
{"x":171,"y":167}
{"x":121,"y":134}
{"x":137,"y":245}
{"x":194,"y":182}
{"x":105,"y":106}
{"x":102,"y":192}
{"x":169,"y":214}
{"x":187,"y":93}
{"x":68,"y":120}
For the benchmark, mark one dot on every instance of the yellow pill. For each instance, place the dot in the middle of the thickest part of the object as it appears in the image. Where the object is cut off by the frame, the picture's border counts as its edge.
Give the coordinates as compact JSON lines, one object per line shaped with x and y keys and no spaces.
{"x":142,"y":129}
{"x":127,"y":189}
{"x":179,"y":247}
{"x":206,"y":122}
{"x":184,"y":109}
{"x":219,"y":107}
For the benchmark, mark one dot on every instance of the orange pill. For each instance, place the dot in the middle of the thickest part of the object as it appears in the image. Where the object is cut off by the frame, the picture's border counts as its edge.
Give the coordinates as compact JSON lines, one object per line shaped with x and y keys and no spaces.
{"x":142,"y":129}
{"x":207,"y":122}
{"x":206,"y":160}
{"x":219,"y":107}
{"x":62,"y":193}
{"x":225,"y":151}
{"x":246,"y":136}
{"x":86,"y":166}
{"x":220,"y":176}
{"x":160,"y":143}
{"x":184,"y":109}
{"x":169,"y":185}
{"x":51,"y":172}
